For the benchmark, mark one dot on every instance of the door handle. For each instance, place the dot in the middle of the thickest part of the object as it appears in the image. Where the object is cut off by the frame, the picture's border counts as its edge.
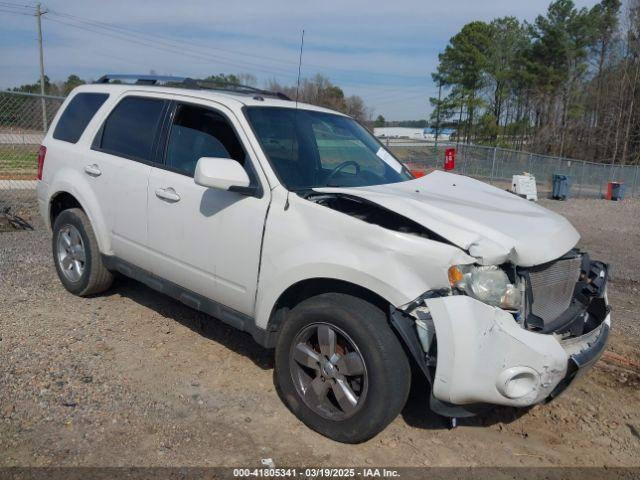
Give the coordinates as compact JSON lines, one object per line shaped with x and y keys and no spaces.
{"x":93,"y":170}
{"x":168,"y":194}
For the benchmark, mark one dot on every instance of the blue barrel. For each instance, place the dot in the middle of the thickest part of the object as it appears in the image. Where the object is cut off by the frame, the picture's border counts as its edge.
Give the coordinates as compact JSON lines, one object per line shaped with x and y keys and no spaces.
{"x":561,"y":186}
{"x":617,"y":191}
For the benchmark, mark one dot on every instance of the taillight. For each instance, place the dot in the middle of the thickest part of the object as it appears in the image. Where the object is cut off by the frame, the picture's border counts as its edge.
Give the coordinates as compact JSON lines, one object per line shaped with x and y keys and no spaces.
{"x":41,"y":154}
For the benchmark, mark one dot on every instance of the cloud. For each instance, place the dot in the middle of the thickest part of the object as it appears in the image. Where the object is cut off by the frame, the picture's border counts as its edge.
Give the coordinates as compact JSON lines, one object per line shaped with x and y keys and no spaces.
{"x":383,"y":51}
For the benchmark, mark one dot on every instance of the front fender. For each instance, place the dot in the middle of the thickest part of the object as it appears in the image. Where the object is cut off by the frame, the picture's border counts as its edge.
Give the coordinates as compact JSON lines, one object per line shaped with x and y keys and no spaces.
{"x":304,"y":240}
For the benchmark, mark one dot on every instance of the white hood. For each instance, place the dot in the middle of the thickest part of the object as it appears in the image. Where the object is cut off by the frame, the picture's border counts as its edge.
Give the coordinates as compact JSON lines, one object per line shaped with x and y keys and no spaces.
{"x":491,"y":224}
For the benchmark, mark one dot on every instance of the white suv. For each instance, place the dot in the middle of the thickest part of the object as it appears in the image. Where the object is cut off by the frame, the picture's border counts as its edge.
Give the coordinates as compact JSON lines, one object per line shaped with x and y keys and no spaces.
{"x":293,"y":223}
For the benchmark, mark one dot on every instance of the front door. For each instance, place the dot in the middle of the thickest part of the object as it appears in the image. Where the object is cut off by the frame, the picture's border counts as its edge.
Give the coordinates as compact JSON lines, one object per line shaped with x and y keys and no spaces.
{"x":207,"y":240}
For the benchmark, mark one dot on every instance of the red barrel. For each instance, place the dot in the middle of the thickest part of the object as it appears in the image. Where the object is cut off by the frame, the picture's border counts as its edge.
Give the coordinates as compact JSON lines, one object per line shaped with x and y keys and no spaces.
{"x":449,"y":158}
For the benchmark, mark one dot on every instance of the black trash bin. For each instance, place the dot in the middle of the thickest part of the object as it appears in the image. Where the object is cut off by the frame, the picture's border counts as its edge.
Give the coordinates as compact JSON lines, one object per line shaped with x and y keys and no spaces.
{"x":561,"y":186}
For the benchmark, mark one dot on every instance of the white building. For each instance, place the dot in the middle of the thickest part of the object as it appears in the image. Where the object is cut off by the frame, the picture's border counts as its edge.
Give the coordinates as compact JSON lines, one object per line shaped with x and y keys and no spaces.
{"x":410,"y":133}
{"x":400,"y":132}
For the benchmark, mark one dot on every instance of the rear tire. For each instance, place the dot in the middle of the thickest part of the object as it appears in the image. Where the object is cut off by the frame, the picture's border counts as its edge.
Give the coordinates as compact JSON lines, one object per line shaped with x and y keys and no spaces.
{"x":76,"y":254}
{"x":347,"y":385}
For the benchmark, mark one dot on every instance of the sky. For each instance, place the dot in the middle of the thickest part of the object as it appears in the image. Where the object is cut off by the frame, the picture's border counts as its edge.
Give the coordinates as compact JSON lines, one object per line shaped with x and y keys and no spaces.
{"x":384,"y":51}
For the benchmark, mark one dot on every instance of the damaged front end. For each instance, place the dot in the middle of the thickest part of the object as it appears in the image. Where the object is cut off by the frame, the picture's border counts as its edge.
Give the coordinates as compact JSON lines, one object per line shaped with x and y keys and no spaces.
{"x":475,"y":354}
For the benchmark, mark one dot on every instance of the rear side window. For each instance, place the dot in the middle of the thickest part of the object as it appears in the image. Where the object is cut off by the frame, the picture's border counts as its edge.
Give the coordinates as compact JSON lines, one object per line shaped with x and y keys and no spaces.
{"x":77,"y":116}
{"x":132,"y":127}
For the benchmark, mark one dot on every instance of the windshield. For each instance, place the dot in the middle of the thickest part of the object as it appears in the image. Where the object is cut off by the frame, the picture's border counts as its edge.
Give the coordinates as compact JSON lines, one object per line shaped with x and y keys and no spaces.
{"x":309,"y":149}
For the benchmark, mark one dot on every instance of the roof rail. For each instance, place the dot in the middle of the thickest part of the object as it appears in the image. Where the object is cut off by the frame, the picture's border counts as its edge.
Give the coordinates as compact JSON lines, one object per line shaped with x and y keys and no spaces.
{"x":186,"y":82}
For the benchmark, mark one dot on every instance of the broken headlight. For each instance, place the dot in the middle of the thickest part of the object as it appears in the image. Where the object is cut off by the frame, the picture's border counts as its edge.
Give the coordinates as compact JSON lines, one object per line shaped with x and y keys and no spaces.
{"x":489,"y":284}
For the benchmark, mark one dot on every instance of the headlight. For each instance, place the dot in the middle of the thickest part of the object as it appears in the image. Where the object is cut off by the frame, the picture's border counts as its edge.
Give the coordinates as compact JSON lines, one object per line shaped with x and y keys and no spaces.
{"x":490,"y":285}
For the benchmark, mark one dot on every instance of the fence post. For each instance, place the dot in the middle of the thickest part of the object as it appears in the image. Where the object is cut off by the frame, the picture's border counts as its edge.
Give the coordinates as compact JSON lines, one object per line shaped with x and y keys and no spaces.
{"x":635,"y":180}
{"x":493,"y":165}
{"x":581,"y":179}
{"x":604,"y":173}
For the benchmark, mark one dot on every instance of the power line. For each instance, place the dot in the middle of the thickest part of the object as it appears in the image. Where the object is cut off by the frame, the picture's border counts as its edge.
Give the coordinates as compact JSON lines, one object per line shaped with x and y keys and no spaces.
{"x":178,"y":43}
{"x":140,"y":39}
{"x":174,"y":49}
{"x":15,"y":5}
{"x":144,"y":39}
{"x":16,"y":13}
{"x":175,"y":42}
{"x":176,"y":46}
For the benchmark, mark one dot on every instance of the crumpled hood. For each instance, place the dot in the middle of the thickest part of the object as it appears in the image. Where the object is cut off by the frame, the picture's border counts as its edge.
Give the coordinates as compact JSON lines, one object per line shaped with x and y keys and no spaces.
{"x":493,"y":225}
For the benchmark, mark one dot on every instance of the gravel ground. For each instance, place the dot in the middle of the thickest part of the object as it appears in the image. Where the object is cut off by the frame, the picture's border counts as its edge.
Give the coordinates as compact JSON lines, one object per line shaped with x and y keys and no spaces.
{"x":134,"y":378}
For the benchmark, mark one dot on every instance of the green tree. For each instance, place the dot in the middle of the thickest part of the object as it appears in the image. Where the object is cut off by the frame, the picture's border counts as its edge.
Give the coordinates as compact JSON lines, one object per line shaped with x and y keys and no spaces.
{"x":463,"y":64}
{"x":380,"y":121}
{"x":509,"y":42}
{"x":566,"y":84}
{"x":558,"y":60}
{"x":222,"y":79}
{"x":72,"y":82}
{"x":49,"y":88}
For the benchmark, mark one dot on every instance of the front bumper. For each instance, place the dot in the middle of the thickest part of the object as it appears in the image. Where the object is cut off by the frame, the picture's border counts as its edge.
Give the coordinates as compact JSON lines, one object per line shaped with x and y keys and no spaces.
{"x":484,"y":356}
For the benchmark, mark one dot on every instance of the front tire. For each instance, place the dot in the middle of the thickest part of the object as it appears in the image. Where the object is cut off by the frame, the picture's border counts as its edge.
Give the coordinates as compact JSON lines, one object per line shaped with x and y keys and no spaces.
{"x":76,"y":254}
{"x":340,"y":368}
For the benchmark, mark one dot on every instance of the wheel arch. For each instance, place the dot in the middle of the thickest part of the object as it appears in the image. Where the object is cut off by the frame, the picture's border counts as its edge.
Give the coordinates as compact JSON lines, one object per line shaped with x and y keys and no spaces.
{"x":68,"y":193}
{"x":61,"y":201}
{"x":311,"y":287}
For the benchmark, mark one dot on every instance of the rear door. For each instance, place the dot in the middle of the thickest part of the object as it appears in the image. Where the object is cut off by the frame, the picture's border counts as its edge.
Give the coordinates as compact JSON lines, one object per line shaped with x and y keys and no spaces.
{"x":208,"y":239}
{"x":125,"y":148}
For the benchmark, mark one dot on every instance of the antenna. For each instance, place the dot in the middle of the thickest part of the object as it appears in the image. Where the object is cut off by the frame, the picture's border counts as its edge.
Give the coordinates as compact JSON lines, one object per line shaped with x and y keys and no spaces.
{"x":299,"y":67}
{"x":295,"y":113}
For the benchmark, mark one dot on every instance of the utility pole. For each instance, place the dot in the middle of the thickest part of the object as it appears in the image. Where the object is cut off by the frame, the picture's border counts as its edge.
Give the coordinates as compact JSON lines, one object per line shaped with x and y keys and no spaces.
{"x":438,"y":113}
{"x":39,"y":14}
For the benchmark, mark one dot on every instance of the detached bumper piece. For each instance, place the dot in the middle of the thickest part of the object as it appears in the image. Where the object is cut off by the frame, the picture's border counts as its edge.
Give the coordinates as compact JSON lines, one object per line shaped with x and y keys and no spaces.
{"x":586,"y":349}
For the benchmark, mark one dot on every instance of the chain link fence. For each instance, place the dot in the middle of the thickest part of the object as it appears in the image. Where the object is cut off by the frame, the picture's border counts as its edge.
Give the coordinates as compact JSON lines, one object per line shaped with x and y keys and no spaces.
{"x":25,"y":117}
{"x":498,"y":165}
{"x":24,"y":120}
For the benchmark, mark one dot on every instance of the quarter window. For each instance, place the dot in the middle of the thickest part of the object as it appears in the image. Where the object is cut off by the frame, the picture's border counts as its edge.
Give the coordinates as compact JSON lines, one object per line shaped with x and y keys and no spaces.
{"x":77,"y":116}
{"x":200,"y":132}
{"x":131,"y":129}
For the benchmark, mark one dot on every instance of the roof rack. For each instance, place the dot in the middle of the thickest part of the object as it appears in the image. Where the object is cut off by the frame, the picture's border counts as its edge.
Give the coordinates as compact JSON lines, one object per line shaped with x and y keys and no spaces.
{"x":186,"y":82}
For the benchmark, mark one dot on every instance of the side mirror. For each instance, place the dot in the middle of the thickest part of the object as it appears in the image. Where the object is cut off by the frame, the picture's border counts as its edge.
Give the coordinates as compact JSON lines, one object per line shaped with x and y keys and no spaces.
{"x":221,"y":173}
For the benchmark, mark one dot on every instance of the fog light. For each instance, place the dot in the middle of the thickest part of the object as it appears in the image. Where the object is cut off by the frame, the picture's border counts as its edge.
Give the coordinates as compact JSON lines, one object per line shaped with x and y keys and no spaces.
{"x":517,"y":382}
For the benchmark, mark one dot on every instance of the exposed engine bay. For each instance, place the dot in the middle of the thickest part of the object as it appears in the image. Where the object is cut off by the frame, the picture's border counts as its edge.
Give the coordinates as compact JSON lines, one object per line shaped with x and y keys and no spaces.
{"x":372,"y":213}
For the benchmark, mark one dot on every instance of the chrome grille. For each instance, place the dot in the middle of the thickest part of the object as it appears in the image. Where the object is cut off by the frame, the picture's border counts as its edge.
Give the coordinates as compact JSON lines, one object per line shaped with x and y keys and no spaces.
{"x":552,"y":286}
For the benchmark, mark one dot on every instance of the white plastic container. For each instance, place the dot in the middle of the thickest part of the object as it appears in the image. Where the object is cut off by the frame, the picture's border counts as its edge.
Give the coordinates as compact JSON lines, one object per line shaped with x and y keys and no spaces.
{"x":525,"y":186}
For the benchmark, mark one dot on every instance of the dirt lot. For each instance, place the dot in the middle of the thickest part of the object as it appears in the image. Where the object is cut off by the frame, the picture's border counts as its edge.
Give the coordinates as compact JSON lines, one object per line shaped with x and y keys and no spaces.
{"x":134,"y":378}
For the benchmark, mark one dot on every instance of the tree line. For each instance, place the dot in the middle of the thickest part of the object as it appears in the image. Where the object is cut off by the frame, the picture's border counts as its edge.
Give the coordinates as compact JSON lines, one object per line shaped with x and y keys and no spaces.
{"x":317,"y":90}
{"x":565,"y":84}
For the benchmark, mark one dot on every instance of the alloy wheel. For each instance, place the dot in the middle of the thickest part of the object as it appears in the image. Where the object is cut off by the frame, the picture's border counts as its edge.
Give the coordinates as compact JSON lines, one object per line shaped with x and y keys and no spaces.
{"x":71,"y":253}
{"x":328,"y":371}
